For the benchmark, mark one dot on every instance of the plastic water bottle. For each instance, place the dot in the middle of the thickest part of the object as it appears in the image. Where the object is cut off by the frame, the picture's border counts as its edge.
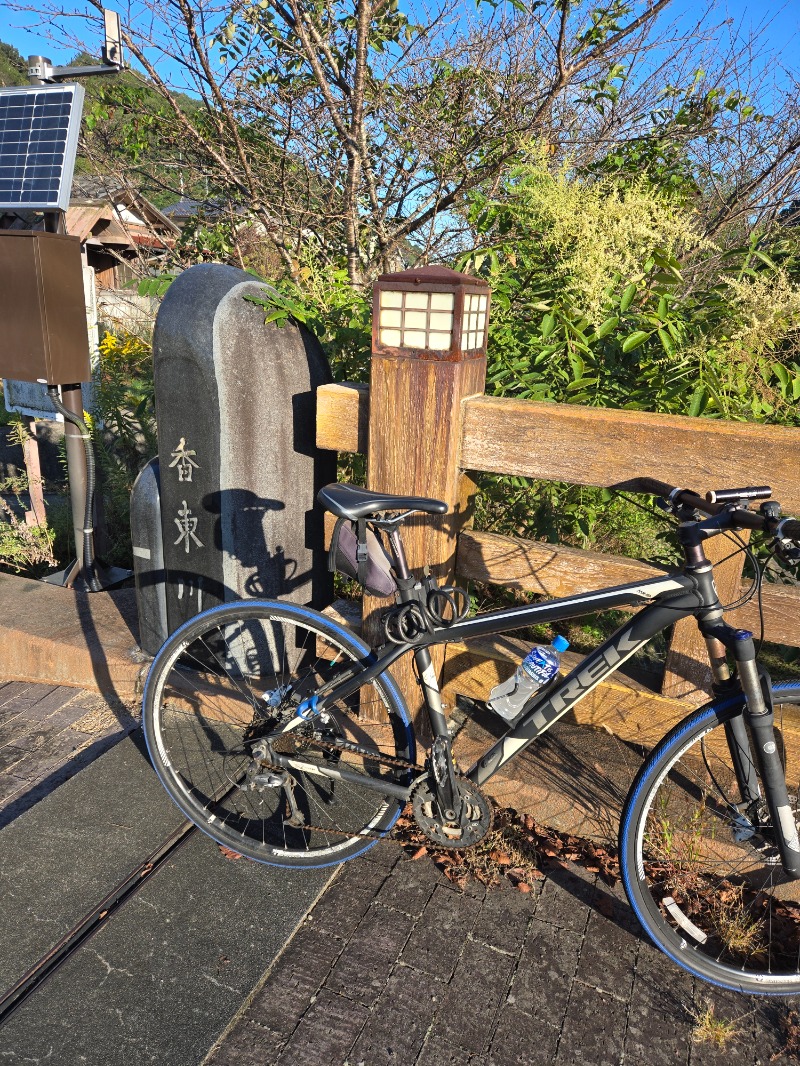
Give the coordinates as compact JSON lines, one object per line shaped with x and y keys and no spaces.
{"x":536,"y":670}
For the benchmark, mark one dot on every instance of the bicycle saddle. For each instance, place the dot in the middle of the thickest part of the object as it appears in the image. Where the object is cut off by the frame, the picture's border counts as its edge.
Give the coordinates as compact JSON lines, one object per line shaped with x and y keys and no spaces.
{"x":349,"y":501}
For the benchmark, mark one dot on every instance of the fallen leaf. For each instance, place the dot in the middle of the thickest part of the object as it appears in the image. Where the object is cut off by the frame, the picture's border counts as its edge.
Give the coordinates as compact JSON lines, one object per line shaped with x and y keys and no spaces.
{"x":228,"y":853}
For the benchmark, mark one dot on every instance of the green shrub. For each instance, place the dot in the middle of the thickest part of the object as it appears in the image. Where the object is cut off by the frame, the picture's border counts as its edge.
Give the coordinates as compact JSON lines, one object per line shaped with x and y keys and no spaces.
{"x":123,"y":430}
{"x":24,"y":549}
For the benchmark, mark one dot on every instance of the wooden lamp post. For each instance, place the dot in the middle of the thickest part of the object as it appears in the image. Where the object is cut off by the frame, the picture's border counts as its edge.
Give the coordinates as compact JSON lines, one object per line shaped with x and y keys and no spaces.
{"x":429,"y":330}
{"x":431,"y":314}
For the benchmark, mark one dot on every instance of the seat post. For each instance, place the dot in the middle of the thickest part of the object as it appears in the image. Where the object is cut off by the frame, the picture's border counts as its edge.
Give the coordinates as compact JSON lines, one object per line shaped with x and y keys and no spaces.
{"x":399,"y":553}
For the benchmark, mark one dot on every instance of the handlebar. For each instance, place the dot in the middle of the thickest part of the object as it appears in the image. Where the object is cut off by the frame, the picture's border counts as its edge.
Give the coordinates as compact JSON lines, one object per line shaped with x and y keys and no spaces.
{"x":715,"y":503}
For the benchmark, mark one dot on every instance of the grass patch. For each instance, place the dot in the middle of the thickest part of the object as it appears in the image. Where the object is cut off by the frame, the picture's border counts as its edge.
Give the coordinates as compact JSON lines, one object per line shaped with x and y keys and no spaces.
{"x":709,"y":1028}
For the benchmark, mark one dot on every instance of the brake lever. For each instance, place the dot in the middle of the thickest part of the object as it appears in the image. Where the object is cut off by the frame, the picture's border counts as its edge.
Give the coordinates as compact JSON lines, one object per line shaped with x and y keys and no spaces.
{"x":787,"y":551}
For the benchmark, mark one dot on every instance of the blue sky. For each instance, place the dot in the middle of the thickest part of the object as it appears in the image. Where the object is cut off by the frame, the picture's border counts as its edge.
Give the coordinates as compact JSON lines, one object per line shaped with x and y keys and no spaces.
{"x":782,"y":31}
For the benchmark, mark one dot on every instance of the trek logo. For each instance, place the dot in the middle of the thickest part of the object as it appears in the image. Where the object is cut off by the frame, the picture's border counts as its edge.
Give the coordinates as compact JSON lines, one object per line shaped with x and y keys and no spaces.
{"x":592,"y":674}
{"x":558,"y":704}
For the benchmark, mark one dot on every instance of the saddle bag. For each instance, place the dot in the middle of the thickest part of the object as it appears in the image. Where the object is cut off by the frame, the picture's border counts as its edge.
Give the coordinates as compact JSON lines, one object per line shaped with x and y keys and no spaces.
{"x":356,"y":552}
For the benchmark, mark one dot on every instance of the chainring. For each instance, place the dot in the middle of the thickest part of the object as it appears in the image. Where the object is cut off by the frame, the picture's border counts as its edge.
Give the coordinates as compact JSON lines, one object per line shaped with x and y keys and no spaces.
{"x":446,"y":834}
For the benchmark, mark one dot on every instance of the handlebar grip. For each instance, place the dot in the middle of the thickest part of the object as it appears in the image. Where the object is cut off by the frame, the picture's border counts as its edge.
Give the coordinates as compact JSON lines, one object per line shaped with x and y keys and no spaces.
{"x":645,"y":484}
{"x":654,"y":487}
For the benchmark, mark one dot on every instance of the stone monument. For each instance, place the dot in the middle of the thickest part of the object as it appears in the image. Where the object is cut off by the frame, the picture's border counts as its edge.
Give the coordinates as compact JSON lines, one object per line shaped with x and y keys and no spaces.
{"x":239,"y":466}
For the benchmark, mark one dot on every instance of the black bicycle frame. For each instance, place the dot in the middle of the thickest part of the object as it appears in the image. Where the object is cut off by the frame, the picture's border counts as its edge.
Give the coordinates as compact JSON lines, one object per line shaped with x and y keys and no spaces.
{"x":678,"y":597}
{"x":667,"y":599}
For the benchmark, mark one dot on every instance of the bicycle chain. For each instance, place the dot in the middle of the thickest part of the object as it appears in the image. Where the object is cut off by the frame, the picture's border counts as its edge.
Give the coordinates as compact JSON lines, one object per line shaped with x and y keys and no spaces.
{"x":390,"y":760}
{"x":346,"y":745}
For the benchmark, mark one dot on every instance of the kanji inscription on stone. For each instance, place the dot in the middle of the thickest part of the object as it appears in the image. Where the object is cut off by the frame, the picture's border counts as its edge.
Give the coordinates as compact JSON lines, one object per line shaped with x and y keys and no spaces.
{"x":183,"y":461}
{"x":187,"y":526}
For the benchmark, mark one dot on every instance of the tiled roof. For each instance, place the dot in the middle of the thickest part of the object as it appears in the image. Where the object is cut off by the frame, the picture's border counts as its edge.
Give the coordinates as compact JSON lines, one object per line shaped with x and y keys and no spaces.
{"x":92,"y":187}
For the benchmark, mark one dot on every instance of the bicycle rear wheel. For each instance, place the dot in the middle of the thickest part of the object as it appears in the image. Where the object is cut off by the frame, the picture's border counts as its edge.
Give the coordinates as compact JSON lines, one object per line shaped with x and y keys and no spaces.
{"x":700,"y":871}
{"x":228,"y":679}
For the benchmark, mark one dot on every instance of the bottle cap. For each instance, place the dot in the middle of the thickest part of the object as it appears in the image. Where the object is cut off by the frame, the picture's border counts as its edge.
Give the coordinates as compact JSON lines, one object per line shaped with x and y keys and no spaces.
{"x":560,"y":643}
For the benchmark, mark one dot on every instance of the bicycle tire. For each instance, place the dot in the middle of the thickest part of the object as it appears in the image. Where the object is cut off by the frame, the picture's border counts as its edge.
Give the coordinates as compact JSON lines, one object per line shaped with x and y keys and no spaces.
{"x":702,"y":876}
{"x":224,"y":680}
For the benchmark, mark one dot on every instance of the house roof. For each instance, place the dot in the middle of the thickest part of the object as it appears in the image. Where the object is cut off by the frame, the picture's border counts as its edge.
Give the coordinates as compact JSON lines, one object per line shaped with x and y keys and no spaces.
{"x":132,"y":207}
{"x":104,"y":211}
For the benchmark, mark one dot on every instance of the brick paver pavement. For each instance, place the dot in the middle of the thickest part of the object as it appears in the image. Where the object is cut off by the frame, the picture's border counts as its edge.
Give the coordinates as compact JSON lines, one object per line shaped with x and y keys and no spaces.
{"x":396,"y":965}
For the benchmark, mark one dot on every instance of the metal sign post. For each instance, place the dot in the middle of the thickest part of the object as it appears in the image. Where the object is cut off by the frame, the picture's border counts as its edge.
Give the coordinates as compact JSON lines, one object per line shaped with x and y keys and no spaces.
{"x":42,"y":72}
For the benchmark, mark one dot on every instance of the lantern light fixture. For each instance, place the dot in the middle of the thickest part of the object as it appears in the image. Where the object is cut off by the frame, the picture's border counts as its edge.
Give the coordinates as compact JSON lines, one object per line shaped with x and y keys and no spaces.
{"x":432,"y":311}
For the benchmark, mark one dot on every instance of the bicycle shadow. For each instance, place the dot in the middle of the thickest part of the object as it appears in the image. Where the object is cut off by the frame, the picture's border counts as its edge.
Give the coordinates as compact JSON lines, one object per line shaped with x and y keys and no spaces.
{"x":242,"y":529}
{"x":573,"y":779}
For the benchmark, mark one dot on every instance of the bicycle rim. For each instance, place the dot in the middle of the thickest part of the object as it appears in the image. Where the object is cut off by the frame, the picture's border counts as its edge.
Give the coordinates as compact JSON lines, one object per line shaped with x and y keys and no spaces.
{"x":701,"y":871}
{"x":228,"y":679}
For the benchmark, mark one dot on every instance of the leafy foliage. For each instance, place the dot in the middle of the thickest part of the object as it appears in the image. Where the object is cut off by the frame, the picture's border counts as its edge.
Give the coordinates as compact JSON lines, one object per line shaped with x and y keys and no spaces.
{"x":127,"y":124}
{"x":13,"y":68}
{"x":339,"y":315}
{"x":604,"y":293}
{"x":127,"y":439}
{"x":24,"y":549}
{"x":594,"y":307}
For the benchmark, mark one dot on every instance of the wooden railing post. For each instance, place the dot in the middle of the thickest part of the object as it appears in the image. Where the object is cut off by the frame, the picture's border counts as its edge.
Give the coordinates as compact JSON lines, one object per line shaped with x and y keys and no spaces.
{"x":415,"y":433}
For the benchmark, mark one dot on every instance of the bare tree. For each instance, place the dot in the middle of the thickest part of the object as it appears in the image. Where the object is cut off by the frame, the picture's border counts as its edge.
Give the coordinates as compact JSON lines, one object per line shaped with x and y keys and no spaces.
{"x":340,"y":121}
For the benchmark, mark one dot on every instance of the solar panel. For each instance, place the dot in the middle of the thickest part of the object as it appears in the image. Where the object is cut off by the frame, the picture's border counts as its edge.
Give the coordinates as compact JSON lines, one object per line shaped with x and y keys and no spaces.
{"x":39,"y":128}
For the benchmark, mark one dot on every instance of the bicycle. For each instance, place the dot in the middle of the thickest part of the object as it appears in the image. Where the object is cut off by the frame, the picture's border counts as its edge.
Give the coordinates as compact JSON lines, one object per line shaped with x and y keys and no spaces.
{"x":282,"y":735}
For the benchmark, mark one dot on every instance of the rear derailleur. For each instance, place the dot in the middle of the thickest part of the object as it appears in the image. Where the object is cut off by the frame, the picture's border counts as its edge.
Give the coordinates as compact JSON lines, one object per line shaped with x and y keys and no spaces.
{"x":259,"y":777}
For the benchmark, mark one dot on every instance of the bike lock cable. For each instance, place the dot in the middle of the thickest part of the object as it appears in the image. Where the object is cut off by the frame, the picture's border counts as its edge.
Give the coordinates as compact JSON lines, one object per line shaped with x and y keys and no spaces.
{"x":88,"y":514}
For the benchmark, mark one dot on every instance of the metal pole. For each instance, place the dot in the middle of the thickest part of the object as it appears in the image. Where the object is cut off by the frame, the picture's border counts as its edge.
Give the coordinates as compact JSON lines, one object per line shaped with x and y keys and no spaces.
{"x":39,"y":64}
{"x":72,"y":399}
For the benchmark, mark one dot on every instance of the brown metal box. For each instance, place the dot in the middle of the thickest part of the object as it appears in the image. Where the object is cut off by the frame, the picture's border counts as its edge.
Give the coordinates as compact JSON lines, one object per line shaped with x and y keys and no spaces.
{"x":43,"y":334}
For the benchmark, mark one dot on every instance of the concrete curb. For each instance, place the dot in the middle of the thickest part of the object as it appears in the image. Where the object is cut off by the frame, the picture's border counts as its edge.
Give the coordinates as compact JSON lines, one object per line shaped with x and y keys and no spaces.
{"x":60,"y":637}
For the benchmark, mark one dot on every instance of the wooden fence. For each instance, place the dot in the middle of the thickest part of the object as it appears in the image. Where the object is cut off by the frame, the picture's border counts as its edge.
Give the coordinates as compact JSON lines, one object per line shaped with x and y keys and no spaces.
{"x":424,"y":426}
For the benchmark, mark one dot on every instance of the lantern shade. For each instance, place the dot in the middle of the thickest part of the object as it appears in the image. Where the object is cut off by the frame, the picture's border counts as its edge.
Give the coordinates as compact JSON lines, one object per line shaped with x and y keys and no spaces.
{"x":433,"y":312}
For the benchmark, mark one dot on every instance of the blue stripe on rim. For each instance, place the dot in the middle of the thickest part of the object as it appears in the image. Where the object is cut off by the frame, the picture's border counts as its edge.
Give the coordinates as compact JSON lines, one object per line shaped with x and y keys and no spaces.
{"x":347,"y":636}
{"x":712,"y":709}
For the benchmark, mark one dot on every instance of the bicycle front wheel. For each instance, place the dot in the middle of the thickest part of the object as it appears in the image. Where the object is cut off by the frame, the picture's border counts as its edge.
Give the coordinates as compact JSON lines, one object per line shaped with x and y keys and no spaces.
{"x":700,"y":868}
{"x":228,"y":680}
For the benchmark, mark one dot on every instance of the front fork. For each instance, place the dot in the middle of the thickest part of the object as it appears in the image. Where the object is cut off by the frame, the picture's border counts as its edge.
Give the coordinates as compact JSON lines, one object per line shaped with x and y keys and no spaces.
{"x":759,"y":751}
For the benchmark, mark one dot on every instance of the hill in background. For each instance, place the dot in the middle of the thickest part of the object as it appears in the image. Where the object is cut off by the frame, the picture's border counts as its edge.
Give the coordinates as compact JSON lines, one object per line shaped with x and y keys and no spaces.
{"x":13,"y":68}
